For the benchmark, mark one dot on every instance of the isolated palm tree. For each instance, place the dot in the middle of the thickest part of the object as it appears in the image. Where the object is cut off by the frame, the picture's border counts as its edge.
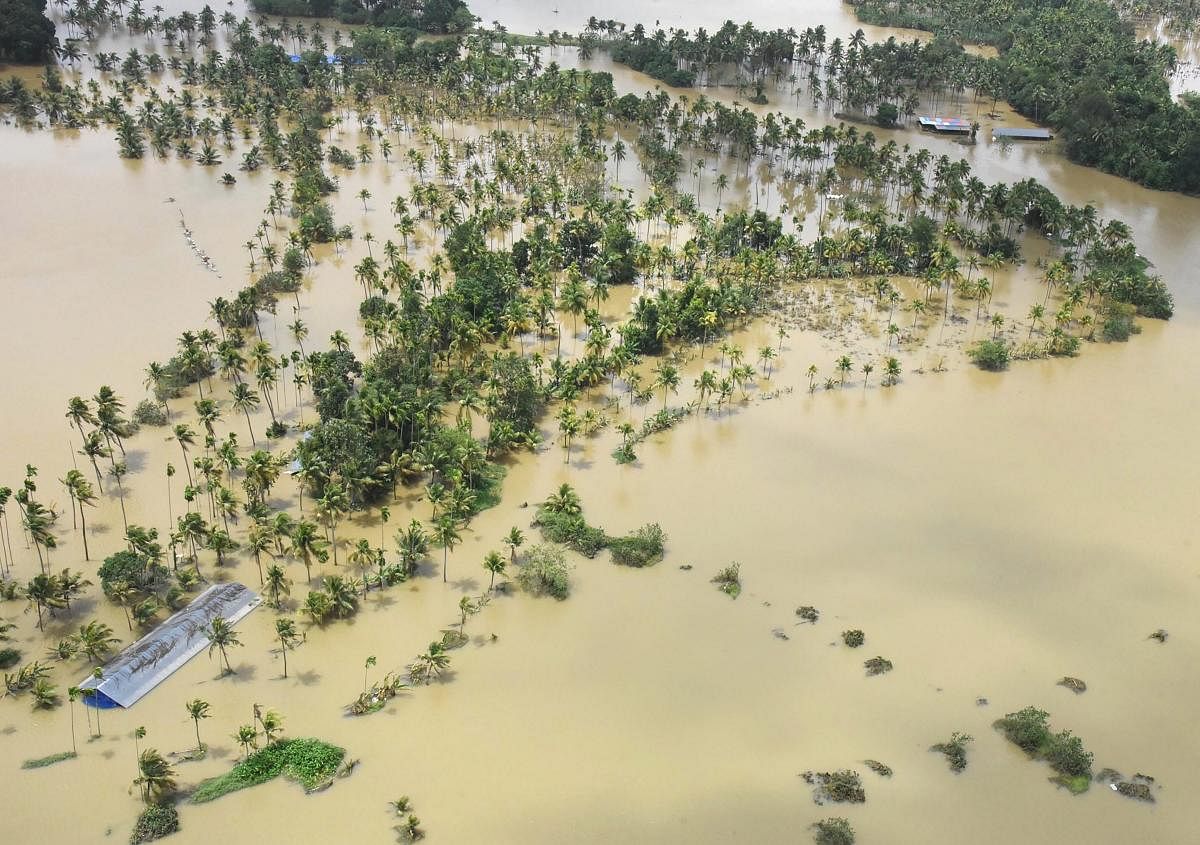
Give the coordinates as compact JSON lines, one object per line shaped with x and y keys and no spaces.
{"x":445,"y":534}
{"x":289,"y":639}
{"x":198,"y":709}
{"x":221,"y":637}
{"x":155,"y":777}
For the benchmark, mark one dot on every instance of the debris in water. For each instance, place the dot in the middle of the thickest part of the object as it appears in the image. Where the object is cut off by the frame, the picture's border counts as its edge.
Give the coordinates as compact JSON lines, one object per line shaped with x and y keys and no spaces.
{"x":1160,"y":635}
{"x":779,"y":634}
{"x":1075,"y":685}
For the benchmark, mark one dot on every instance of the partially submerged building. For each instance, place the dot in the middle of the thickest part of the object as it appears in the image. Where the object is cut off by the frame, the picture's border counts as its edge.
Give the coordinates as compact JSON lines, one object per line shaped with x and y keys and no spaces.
{"x":945,"y":125}
{"x":1017,"y":133}
{"x":149,"y":661}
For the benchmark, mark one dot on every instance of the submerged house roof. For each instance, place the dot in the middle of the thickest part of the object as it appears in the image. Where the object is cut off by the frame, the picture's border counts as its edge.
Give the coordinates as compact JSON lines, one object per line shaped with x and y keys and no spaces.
{"x":149,"y":661}
{"x":944,"y":124}
{"x":1021,"y":134}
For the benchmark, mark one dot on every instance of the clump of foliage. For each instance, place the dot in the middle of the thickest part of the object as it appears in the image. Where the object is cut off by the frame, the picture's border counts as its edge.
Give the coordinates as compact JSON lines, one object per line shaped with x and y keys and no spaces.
{"x":853,"y":638}
{"x":149,"y":413}
{"x":1030,"y":730}
{"x":1119,"y":323}
{"x":729,"y":580}
{"x":881,"y":769}
{"x":310,"y":762}
{"x":842,"y":786}
{"x":544,"y":571}
{"x":991,"y":355}
{"x":878,"y":666}
{"x":154,"y":823}
{"x":808,"y":613}
{"x":50,"y":760}
{"x":560,"y":519}
{"x":376,"y":698}
{"x":1138,"y":787}
{"x":9,"y":657}
{"x":27,"y":34}
{"x":641,"y":548}
{"x":955,"y":750}
{"x":435,"y":16}
{"x":833,"y":831}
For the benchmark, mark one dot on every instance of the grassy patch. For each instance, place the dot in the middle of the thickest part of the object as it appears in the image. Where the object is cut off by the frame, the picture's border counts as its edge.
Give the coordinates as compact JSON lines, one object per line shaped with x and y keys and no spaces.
{"x":309,"y":762}
{"x":729,"y":580}
{"x":155,"y":823}
{"x":42,"y":762}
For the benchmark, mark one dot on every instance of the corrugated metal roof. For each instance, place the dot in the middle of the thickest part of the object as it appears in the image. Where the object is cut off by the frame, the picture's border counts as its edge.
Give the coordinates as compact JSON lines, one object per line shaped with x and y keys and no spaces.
{"x":149,"y":661}
{"x":944,"y":124}
{"x":1021,"y":133}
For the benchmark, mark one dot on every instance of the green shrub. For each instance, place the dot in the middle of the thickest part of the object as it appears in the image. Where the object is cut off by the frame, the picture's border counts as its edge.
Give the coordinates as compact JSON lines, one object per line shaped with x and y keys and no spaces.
{"x":729,"y":580}
{"x":545,"y":572}
{"x":878,"y":666}
{"x":854,"y":637}
{"x":1118,"y":322}
{"x":990,"y":354}
{"x":1066,"y":754}
{"x":9,"y":657}
{"x":955,"y":750}
{"x":1028,"y":728}
{"x":155,"y":823}
{"x":834,"y":831}
{"x":642,"y":548}
{"x":571,"y":530}
{"x":149,"y":413}
{"x":310,"y":762}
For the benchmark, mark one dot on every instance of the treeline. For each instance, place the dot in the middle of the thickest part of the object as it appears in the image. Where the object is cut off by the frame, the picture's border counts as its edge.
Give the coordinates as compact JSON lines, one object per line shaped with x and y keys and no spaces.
{"x":438,"y":16}
{"x":26,"y":34}
{"x":1079,"y":67}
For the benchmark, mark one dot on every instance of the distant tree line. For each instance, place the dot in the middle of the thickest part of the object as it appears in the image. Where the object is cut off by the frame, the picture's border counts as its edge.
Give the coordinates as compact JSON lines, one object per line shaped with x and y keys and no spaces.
{"x":439,"y":16}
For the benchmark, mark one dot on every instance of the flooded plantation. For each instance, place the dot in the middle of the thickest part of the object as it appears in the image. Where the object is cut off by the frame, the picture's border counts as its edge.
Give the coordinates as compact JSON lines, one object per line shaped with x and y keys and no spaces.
{"x":987,"y":533}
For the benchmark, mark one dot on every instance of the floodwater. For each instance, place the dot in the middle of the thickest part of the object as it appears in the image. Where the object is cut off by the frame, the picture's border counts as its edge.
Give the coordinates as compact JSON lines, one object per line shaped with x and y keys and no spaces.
{"x":989,"y":533}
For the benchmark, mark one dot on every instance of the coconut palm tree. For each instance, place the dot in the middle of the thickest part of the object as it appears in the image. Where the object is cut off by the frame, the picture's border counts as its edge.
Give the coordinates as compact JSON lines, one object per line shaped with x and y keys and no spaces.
{"x":307,"y":544}
{"x":245,"y":400}
{"x":156,"y":778}
{"x":221,"y":637}
{"x":96,"y":641}
{"x":198,"y":709}
{"x":277,"y":585}
{"x":494,"y":564}
{"x":289,"y":639}
{"x":412,"y":544}
{"x":445,"y":534}
{"x":514,"y":540}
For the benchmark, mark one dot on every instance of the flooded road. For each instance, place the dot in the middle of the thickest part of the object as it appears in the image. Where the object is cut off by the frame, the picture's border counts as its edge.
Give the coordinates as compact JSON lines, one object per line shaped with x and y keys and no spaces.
{"x":990,"y":533}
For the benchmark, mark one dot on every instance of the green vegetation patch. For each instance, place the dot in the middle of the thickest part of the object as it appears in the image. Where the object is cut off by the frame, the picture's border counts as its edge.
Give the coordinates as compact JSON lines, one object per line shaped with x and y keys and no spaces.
{"x":310,"y":762}
{"x":545,"y":572}
{"x":729,"y":580}
{"x":1030,"y":730}
{"x":9,"y":657}
{"x":833,"y":831}
{"x":991,"y":355}
{"x":560,"y":519}
{"x":955,"y":750}
{"x":842,"y":786}
{"x":42,"y":762}
{"x":155,"y":823}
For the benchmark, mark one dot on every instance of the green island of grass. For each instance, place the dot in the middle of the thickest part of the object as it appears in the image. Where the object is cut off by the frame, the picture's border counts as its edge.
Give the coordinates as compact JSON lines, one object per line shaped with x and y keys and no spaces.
{"x":309,"y":762}
{"x":42,"y":762}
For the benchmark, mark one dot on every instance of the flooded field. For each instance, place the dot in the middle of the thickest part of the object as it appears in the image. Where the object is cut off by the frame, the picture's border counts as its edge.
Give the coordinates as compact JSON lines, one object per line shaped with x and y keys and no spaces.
{"x":990,"y":534}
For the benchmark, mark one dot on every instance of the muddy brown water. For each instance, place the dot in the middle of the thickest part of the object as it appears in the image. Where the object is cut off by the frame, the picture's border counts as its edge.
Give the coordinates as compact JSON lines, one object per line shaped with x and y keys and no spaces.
{"x":989,"y":533}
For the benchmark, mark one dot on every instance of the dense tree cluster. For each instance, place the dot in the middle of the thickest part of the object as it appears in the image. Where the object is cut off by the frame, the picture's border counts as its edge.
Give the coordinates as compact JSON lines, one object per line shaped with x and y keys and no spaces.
{"x":26,"y":34}
{"x":1078,"y":66}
